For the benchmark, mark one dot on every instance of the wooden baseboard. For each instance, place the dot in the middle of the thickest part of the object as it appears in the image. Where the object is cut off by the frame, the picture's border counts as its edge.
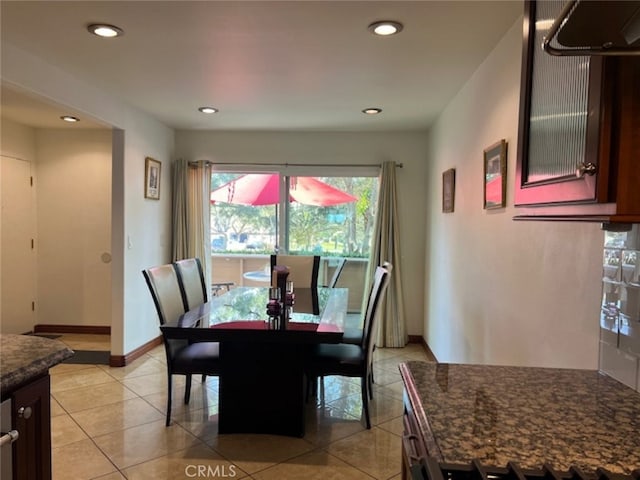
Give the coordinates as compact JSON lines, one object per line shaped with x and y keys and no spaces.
{"x":87,"y":329}
{"x":420,"y":339}
{"x":122,"y":360}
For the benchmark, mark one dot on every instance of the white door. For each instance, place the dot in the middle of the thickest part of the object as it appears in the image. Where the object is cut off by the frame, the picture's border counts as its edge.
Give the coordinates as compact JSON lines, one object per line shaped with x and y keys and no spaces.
{"x":17,"y":278}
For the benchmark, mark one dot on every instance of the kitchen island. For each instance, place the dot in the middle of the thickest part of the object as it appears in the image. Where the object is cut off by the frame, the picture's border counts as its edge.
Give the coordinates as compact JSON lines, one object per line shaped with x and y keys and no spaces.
{"x":456,"y":413}
{"x":25,"y":391}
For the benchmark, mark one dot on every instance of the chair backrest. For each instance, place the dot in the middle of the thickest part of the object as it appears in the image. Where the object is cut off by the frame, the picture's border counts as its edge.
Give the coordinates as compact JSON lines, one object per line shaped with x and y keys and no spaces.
{"x":192,"y":277}
{"x":378,"y":290}
{"x":336,"y":273}
{"x":166,"y":291}
{"x":303,"y":269}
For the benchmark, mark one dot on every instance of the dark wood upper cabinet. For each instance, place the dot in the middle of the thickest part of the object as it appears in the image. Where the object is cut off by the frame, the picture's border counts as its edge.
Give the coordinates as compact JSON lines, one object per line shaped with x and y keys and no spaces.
{"x":579,"y":131}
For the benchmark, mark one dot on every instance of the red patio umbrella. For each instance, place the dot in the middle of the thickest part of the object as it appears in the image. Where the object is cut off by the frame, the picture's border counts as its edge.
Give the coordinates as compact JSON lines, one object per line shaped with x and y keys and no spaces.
{"x":264,"y":189}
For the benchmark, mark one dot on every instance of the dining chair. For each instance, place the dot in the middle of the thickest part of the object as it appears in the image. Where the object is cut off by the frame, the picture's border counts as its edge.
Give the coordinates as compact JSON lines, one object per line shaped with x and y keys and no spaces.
{"x":353,"y":360}
{"x":355,"y":335}
{"x":183,"y":357}
{"x":303,"y":269}
{"x":192,"y":277}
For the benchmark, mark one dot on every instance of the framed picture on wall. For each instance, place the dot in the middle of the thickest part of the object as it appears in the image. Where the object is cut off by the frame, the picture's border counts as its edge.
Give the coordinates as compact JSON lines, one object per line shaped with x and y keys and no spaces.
{"x":152,"y":170}
{"x":495,"y":175}
{"x":448,"y":190}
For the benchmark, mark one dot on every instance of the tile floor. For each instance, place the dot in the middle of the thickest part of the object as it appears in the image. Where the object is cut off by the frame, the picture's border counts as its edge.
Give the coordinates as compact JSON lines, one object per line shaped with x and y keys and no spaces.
{"x":108,"y":423}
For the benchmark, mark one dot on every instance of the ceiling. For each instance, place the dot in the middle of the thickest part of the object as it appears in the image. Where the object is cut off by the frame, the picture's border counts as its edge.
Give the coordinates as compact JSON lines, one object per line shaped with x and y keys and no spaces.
{"x":290,"y":65}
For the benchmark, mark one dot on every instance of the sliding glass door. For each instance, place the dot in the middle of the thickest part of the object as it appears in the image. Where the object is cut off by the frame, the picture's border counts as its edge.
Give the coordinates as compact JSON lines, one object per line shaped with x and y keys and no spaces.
{"x":256,"y":214}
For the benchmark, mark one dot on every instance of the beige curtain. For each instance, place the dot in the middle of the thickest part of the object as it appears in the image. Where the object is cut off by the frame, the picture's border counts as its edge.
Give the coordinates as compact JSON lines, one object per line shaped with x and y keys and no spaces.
{"x":386,"y":248}
{"x":191,"y":215}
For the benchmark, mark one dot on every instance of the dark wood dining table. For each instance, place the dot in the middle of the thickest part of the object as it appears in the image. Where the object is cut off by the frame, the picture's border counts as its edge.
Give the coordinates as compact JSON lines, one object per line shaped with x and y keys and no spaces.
{"x":262,"y":377}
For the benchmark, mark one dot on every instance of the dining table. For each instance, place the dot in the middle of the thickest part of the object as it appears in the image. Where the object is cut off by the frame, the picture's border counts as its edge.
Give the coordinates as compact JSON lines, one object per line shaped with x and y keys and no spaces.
{"x":262,"y":383}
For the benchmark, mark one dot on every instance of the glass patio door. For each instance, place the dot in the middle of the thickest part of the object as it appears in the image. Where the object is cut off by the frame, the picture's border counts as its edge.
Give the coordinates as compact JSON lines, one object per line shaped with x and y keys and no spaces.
{"x":256,"y":214}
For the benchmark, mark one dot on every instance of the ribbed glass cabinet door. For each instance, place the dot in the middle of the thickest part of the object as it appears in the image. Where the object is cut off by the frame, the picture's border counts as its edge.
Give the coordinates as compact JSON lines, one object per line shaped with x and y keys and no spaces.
{"x":560,"y":117}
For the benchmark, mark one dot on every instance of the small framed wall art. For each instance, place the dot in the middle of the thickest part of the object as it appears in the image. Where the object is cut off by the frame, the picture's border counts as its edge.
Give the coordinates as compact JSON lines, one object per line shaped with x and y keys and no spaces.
{"x":152,"y":170}
{"x":448,"y":190}
{"x":495,"y":175}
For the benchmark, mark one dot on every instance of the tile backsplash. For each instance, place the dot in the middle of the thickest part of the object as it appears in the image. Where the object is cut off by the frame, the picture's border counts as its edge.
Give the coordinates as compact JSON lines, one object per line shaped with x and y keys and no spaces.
{"x":620,"y":312}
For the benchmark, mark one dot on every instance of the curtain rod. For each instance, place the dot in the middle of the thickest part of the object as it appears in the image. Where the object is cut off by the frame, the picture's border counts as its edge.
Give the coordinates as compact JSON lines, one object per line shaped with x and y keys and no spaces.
{"x":251,"y":164}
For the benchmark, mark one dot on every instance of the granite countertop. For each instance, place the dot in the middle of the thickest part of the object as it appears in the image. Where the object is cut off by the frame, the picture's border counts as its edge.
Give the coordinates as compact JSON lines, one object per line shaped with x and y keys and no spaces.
{"x":528,"y":415}
{"x":23,"y":357}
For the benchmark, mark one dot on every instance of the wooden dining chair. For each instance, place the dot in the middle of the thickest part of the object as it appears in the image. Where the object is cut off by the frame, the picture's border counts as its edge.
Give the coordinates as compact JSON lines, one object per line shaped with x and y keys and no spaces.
{"x":191,"y":275}
{"x":303,"y":269}
{"x":353,"y":360}
{"x":183,"y":357}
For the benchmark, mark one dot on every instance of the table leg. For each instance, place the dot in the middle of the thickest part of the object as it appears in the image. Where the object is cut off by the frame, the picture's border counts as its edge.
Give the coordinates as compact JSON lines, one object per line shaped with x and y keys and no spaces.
{"x":262,"y":388}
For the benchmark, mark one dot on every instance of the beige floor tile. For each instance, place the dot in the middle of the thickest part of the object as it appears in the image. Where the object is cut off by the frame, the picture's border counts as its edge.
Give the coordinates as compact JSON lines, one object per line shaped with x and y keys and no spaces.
{"x":79,"y":379}
{"x":395,"y":426}
{"x":201,"y":396}
{"x":112,"y":476}
{"x":394,"y":390}
{"x":384,"y":353}
{"x":56,"y":408}
{"x":65,"y":431}
{"x":79,"y":461}
{"x":142,"y":443}
{"x":381,"y":408}
{"x":253,"y":453}
{"x":153,"y":383}
{"x":335,"y":387}
{"x":142,"y":366}
{"x":116,"y":416}
{"x":384,"y":377}
{"x":62,"y":368}
{"x":376,"y":452}
{"x":197,"y":461}
{"x":159,"y":354}
{"x":85,"y":398}
{"x":202,"y":423}
{"x":327,"y":424}
{"x":390,"y":364}
{"x":312,"y":466}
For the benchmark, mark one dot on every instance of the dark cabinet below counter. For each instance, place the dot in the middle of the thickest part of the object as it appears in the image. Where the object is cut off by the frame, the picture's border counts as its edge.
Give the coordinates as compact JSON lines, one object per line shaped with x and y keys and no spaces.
{"x":457,"y":413}
{"x":31,"y":416}
{"x":579,"y":132}
{"x":25,"y":388}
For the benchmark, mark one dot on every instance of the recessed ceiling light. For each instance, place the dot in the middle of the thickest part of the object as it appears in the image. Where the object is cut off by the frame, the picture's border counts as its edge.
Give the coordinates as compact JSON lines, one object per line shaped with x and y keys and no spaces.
{"x":385,"y":27}
{"x":104,"y":30}
{"x":372,"y":111}
{"x":208,"y":110}
{"x":69,"y":118}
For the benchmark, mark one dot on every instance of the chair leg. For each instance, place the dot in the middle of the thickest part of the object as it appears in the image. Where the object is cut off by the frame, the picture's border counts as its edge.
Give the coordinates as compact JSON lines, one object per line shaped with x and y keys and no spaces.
{"x":187,"y":390}
{"x":169,"y":388}
{"x":370,"y":384}
{"x":365,"y":401}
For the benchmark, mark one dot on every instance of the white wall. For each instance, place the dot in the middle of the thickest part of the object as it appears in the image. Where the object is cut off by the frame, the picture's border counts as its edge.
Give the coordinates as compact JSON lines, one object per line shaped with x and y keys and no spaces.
{"x":17,"y":140}
{"x":73,"y":211}
{"x":17,"y":228}
{"x":342,"y":148}
{"x":501,"y":291}
{"x":146,"y":223}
